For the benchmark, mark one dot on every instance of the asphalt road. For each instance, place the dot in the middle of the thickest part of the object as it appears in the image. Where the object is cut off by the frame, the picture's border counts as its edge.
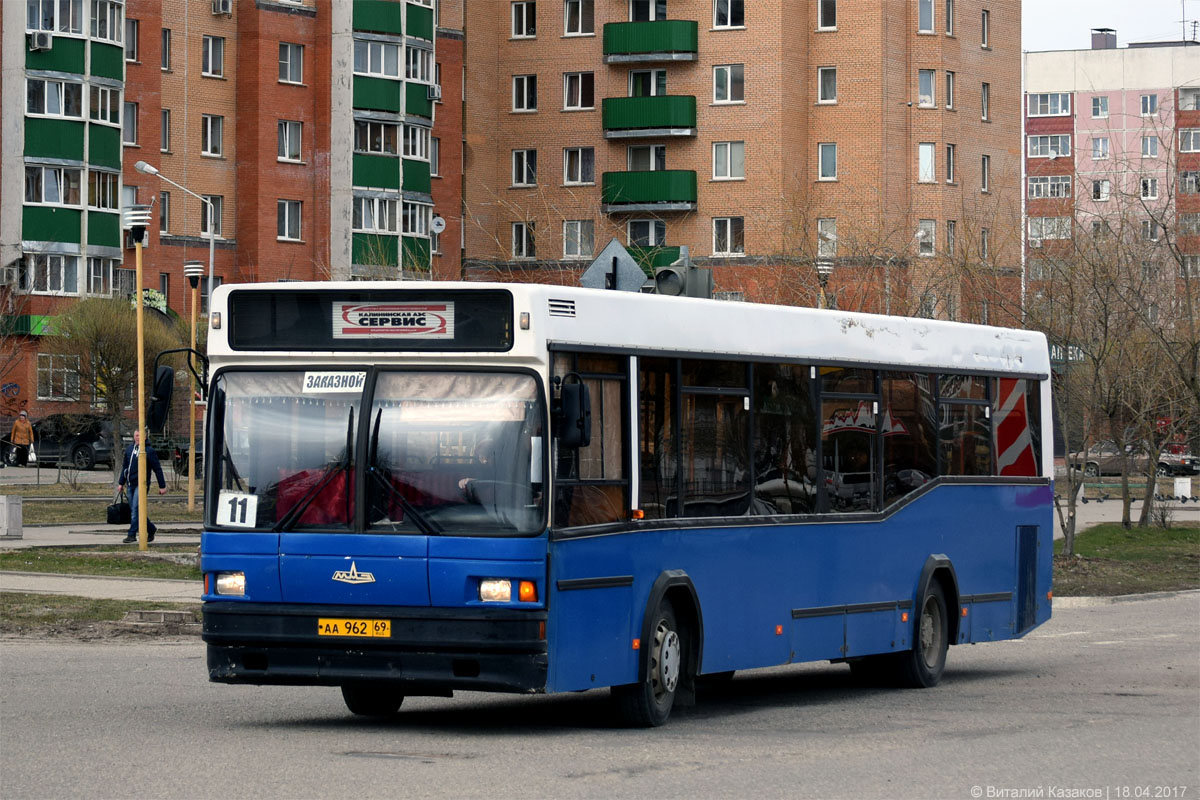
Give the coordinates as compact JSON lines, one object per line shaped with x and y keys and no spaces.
{"x":1103,"y":701}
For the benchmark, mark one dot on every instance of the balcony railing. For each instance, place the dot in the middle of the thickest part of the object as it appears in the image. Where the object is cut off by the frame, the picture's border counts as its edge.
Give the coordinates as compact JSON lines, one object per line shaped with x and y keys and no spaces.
{"x":665,"y":40}
{"x":641,"y":117}
{"x":656,"y":190}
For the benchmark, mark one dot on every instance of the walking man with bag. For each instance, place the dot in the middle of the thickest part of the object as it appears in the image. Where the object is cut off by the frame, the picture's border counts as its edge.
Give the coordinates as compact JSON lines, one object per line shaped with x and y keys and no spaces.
{"x":129,"y":473}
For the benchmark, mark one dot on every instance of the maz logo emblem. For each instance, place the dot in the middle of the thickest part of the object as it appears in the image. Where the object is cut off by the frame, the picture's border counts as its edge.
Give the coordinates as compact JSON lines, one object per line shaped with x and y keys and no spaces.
{"x":353,"y":575}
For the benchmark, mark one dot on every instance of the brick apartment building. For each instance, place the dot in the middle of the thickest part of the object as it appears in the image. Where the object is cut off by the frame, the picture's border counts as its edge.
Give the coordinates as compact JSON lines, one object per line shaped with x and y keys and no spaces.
{"x":881,"y":139}
{"x":1113,"y":147}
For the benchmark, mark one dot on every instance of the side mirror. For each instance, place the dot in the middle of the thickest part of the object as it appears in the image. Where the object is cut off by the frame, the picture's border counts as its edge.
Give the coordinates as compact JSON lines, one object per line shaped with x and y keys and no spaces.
{"x":574,"y":413}
{"x":160,"y":400}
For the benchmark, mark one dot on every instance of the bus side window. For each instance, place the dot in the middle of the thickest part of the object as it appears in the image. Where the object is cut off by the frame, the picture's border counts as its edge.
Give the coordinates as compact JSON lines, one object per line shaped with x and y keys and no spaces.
{"x":909,"y":433}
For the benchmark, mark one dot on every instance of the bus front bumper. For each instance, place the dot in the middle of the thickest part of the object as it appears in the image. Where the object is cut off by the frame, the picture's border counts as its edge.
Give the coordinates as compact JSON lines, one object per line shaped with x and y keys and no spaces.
{"x":430,"y":650}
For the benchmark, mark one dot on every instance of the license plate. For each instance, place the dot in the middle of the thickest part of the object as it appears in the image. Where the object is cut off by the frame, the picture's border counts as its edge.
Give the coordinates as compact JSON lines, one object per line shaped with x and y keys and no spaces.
{"x":360,"y":628}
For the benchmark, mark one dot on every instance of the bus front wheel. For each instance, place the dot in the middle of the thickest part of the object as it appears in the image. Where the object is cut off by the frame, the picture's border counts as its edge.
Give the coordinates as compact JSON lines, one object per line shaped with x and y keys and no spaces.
{"x":647,"y":704}
{"x":372,"y":699}
{"x":922,"y":666}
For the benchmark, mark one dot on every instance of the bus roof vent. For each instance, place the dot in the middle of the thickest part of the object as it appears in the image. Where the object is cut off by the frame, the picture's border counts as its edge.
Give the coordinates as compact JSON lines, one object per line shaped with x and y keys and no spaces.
{"x":562,"y":308}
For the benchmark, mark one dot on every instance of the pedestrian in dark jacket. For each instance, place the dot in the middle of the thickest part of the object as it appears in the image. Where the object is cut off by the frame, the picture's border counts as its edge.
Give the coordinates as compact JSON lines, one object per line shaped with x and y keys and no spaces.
{"x":129,"y":474}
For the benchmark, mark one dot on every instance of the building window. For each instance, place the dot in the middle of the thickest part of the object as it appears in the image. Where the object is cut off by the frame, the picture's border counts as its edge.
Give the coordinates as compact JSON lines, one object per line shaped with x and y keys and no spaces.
{"x":1054,"y":104}
{"x":579,"y":91}
{"x":826,"y":84}
{"x":524,"y":20}
{"x":435,"y":242}
{"x":435,"y":159}
{"x":647,"y":232}
{"x":1054,"y":186}
{"x":50,"y":274}
{"x":1100,"y":107}
{"x":951,"y":237}
{"x":647,"y":10}
{"x":729,"y":236}
{"x":1050,"y":146}
{"x":647,"y":82}
{"x":949,"y":17}
{"x":376,"y":215}
{"x":211,"y":128}
{"x":729,"y":161}
{"x":287,"y":218}
{"x":1149,"y":105}
{"x":985,"y":28}
{"x":524,"y":167}
{"x":106,"y":105}
{"x":827,"y":242}
{"x":289,"y":133}
{"x":164,"y":212}
{"x":55,"y":98}
{"x":525,"y":93}
{"x":103,"y":190}
{"x":523,"y":245}
{"x":380,"y":59}
{"x":729,"y":83}
{"x":1189,"y":224}
{"x":375,"y":137}
{"x":131,"y":39}
{"x":925,"y":96}
{"x":925,"y":16}
{"x":646,"y":157}
{"x":106,"y":20}
{"x":950,"y":160}
{"x":1049,"y":227}
{"x":579,"y":238}
{"x":985,"y":101}
{"x":926,"y":237}
{"x":827,"y":14}
{"x":1189,"y":99}
{"x":1149,"y":147}
{"x":580,"y":16}
{"x":99,"y":276}
{"x":212,"y":57}
{"x":164,"y":286}
{"x":984,"y":244}
{"x":291,"y":63}
{"x":1190,"y":268}
{"x":58,"y":186}
{"x":416,"y":142}
{"x":1099,"y":147}
{"x":418,"y":64}
{"x":729,"y":14}
{"x":164,"y":142}
{"x":1150,"y":230}
{"x":1189,"y":140}
{"x":39,"y":15}
{"x":949,"y":90}
{"x":1189,"y":182}
{"x":925,"y":169}
{"x":166,"y":49}
{"x":579,"y":165}
{"x":57,"y":377}
{"x":129,"y":130}
{"x":1149,"y":188}
{"x":827,"y":157}
{"x":217,"y":204}
{"x":1101,"y":190}
{"x":985,"y":173}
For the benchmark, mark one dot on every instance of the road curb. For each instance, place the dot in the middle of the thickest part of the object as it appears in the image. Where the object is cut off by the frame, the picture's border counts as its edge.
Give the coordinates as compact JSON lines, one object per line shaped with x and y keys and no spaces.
{"x":1088,"y":602}
{"x":114,"y":578}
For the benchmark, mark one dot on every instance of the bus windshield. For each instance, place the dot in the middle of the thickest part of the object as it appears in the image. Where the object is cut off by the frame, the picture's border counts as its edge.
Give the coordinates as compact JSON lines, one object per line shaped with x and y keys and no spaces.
{"x":457,"y":453}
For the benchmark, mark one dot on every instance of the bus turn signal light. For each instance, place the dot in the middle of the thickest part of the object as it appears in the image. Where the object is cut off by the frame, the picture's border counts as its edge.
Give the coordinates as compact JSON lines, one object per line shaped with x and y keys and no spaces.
{"x":637,"y":513}
{"x":527,"y":592}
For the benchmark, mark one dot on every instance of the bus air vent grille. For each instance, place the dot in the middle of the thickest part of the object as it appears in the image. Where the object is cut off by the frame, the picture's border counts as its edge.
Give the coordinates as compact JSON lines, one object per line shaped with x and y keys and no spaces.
{"x":562,"y":308}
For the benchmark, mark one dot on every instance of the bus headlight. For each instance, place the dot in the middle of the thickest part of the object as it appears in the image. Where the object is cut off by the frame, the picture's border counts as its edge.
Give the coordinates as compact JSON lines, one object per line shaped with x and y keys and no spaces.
{"x":495,"y":591}
{"x":233,"y":583}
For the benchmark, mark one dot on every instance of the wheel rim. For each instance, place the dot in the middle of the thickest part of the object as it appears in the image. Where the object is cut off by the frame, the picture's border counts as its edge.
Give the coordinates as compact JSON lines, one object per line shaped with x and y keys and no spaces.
{"x":931,"y":632}
{"x":81,"y":459}
{"x":1091,"y":470}
{"x":664,"y":671}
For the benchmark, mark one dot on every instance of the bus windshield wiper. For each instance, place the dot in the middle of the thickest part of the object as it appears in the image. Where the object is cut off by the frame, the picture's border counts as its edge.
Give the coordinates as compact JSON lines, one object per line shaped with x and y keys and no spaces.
{"x":425,"y":525}
{"x":298,"y":510}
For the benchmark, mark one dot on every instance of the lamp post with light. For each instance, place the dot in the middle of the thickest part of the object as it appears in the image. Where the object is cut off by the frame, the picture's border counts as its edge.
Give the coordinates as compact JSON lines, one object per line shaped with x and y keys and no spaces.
{"x":146,"y":169}
{"x":824,"y":270}
{"x":193,"y":271}
{"x":137,"y":218}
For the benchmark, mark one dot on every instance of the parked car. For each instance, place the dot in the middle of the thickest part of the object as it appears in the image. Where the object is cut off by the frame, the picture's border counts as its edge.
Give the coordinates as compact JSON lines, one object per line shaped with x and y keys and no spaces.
{"x":1106,"y":458}
{"x":84,"y":440}
{"x":1172,"y":463}
{"x":179,"y":458}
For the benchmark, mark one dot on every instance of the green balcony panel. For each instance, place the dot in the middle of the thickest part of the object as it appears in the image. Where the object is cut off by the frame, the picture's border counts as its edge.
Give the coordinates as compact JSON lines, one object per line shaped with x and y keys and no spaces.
{"x":420,"y":22}
{"x":108,"y":61}
{"x":375,"y":250}
{"x":658,"y":190}
{"x":665,"y":115}
{"x":376,"y":172}
{"x":104,"y":230}
{"x":379,"y":16}
{"x":416,"y":100}
{"x":416,"y":176}
{"x":54,"y":138}
{"x":49,"y":224}
{"x":104,"y":146}
{"x":416,"y":254}
{"x":650,"y":257}
{"x":377,"y":94}
{"x":64,"y":55}
{"x":27,"y":325}
{"x":664,"y":40}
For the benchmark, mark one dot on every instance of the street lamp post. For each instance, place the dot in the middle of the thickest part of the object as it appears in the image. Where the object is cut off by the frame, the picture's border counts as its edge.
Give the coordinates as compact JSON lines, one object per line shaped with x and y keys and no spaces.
{"x":145,"y":168}
{"x":193,"y":271}
{"x":824,"y":270}
{"x":136,"y":219}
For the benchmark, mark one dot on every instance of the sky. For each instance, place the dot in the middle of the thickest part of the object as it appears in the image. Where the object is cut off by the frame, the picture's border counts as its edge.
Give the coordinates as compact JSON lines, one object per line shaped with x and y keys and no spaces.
{"x":1067,"y":24}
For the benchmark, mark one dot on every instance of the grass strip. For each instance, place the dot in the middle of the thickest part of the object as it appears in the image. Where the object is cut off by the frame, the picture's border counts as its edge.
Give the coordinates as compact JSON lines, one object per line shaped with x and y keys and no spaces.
{"x":1110,"y":560}
{"x":162,"y":561}
{"x":24,"y":613}
{"x":75,"y":512}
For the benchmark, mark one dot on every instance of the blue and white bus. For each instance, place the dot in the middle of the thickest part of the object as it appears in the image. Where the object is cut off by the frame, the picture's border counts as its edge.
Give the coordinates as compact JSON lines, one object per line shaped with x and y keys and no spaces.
{"x":421,"y":487}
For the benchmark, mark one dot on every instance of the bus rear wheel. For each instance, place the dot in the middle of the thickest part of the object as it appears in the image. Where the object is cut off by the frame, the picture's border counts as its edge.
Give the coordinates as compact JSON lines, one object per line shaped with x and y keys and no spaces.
{"x":648,"y":704}
{"x":922,"y":666}
{"x":378,"y":700}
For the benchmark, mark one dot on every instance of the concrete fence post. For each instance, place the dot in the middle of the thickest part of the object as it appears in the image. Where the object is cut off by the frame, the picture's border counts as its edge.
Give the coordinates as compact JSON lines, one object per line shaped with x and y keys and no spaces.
{"x":10,"y":516}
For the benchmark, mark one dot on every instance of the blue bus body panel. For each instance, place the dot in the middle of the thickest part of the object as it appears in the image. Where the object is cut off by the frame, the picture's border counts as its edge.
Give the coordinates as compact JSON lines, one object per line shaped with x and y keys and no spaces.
{"x":255,"y":554}
{"x":774,"y":594}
